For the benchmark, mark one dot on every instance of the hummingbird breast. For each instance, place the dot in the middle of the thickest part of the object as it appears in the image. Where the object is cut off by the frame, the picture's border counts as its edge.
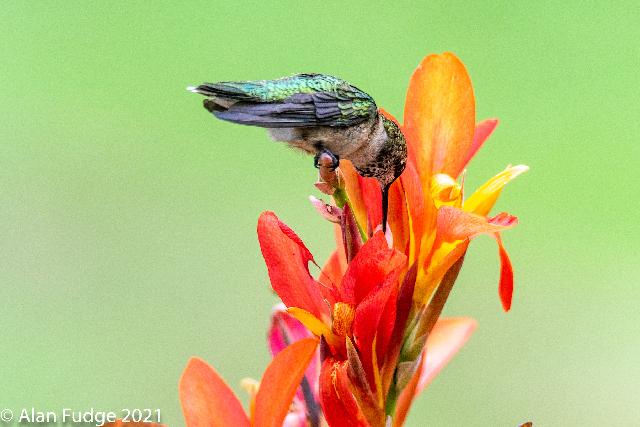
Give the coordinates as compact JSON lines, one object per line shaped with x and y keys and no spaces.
{"x":355,"y":143}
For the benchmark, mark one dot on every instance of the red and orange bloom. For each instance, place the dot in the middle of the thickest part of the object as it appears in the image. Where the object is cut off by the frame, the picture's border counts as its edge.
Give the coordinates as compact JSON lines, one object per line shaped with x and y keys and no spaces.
{"x":373,"y":311}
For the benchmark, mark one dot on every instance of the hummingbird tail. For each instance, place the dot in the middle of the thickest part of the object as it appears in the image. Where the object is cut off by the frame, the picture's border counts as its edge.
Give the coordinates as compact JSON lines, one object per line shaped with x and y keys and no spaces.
{"x":227,"y":90}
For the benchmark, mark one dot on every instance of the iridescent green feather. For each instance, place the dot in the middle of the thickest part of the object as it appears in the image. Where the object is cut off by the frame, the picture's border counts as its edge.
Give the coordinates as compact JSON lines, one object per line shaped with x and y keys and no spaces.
{"x":352,"y":102}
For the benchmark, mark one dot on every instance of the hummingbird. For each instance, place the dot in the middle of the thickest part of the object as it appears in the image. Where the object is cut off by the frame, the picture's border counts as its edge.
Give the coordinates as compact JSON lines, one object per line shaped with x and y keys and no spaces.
{"x":318,"y":114}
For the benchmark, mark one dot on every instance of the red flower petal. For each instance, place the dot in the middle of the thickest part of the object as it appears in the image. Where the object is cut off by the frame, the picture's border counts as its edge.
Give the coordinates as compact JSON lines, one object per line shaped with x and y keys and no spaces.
{"x":280,"y":382}
{"x":372,"y":196}
{"x":505,"y":288}
{"x":331,"y":274}
{"x":375,"y":316}
{"x":369,"y":268}
{"x":333,"y":269}
{"x":422,"y":214}
{"x":207,"y":401}
{"x":398,"y":217}
{"x":339,"y":407}
{"x":287,"y":260}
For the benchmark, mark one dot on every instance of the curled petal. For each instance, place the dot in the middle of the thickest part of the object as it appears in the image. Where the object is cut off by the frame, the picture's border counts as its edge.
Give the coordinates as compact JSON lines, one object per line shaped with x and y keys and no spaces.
{"x":439,"y":115}
{"x":207,"y":401}
{"x":287,"y":261}
{"x":328,"y":212}
{"x":483,"y":199}
{"x":280,"y":381}
{"x":445,"y":340}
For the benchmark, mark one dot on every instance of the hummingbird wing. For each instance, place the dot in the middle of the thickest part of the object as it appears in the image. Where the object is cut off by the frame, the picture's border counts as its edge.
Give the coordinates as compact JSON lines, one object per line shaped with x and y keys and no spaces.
{"x":303,"y":100}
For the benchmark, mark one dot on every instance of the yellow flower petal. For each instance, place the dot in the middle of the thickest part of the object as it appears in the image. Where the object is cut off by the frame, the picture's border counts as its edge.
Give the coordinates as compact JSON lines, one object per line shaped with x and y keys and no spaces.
{"x":314,"y":325}
{"x":445,"y":191}
{"x":485,"y":197}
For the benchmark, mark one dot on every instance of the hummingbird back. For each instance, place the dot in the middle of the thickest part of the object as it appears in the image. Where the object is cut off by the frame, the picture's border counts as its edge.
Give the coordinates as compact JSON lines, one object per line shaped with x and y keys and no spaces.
{"x":302,"y":100}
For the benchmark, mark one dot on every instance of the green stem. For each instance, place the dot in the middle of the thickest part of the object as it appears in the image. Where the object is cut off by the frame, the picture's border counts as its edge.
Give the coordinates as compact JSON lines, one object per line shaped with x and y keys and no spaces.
{"x":341,"y":198}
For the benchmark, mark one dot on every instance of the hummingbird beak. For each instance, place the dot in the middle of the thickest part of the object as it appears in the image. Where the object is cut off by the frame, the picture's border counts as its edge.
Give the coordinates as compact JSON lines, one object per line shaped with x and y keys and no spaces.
{"x":385,"y":205}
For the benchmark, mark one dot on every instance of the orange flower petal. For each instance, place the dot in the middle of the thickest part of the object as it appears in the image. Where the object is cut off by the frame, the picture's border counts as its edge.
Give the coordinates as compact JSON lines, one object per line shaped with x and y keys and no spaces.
{"x":280,"y":382}
{"x":352,"y":186}
{"x":439,"y":116}
{"x":442,"y":260}
{"x":207,"y":401}
{"x":455,"y":224}
{"x":481,"y":133}
{"x":445,"y":340}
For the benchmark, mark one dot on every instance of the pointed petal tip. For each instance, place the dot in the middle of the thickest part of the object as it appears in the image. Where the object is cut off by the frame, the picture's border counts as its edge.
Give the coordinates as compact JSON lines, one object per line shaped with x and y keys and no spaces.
{"x":204,"y":395}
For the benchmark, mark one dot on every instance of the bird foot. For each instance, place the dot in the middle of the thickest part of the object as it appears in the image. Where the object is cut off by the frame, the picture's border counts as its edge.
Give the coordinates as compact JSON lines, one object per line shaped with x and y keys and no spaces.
{"x":326,"y":159}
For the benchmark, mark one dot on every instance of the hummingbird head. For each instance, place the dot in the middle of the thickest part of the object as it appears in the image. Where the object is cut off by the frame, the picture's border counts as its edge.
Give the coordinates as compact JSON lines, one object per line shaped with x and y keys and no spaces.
{"x":393,"y":153}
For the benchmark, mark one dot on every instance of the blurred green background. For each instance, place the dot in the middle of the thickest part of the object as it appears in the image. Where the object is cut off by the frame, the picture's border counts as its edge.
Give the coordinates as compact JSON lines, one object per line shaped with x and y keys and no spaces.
{"x":128,"y":214}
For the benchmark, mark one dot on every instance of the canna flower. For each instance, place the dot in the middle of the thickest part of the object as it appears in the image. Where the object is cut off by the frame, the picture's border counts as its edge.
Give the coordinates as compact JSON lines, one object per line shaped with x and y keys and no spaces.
{"x":356,"y":344}
{"x":376,"y":305}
